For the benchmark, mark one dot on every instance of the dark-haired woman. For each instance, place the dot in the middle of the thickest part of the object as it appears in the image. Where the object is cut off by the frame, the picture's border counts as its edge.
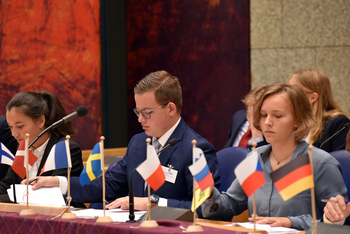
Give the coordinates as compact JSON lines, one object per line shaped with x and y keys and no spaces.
{"x":31,"y":112}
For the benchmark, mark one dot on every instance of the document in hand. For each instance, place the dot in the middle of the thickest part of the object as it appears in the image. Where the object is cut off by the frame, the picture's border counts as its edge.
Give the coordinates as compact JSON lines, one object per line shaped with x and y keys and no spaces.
{"x":40,"y":197}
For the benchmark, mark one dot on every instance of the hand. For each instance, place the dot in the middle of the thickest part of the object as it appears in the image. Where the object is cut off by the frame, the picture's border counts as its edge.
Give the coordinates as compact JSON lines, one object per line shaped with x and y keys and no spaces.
{"x":140,"y":203}
{"x":338,"y":210}
{"x":43,"y":181}
{"x":273,"y":221}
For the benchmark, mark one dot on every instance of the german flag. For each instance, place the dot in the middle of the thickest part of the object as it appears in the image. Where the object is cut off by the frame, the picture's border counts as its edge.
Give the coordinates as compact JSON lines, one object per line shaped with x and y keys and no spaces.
{"x":294,"y":177}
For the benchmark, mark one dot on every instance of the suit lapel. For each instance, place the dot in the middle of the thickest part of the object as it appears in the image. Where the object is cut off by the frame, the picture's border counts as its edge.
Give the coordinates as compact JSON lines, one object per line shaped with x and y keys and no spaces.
{"x":178,"y":134}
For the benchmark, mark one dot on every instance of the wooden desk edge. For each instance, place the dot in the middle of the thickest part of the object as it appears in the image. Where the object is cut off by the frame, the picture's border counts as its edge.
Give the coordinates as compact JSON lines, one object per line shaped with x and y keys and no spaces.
{"x":43,"y":210}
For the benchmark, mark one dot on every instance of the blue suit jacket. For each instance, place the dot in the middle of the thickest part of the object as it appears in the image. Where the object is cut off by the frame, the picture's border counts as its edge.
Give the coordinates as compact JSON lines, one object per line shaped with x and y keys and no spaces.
{"x":338,"y":142}
{"x":117,"y":177}
{"x":238,"y":118}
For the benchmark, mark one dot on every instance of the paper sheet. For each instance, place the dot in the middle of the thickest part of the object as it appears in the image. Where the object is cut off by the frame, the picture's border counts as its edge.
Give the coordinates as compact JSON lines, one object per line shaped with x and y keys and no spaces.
{"x":117,"y":215}
{"x":40,"y":197}
{"x":265,"y":227}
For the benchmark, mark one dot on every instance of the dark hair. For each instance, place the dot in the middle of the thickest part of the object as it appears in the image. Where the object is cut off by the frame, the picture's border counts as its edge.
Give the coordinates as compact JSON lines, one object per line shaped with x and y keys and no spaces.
{"x":44,"y":103}
{"x":299,"y":104}
{"x":165,"y":86}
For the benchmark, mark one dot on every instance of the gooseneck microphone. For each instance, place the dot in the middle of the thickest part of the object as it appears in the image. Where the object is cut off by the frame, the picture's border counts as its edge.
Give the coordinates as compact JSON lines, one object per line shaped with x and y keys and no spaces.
{"x":346,"y":125}
{"x":80,"y":111}
{"x":172,"y":142}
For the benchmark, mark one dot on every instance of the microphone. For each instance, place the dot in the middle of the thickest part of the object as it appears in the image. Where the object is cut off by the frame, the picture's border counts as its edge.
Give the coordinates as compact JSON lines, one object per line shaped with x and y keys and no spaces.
{"x":80,"y":111}
{"x":172,"y":142}
{"x":346,"y":125}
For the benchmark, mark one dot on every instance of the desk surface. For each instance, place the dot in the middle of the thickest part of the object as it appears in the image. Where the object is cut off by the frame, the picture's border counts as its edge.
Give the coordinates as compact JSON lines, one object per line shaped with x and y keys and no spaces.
{"x":11,"y":222}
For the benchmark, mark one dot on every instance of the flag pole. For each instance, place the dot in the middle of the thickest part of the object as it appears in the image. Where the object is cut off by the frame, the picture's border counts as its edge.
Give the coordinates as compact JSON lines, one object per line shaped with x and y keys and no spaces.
{"x":27,"y":211}
{"x":254,"y":144}
{"x":194,"y":227}
{"x":149,"y":223}
{"x":313,"y":192}
{"x":68,"y":214}
{"x":104,"y":218}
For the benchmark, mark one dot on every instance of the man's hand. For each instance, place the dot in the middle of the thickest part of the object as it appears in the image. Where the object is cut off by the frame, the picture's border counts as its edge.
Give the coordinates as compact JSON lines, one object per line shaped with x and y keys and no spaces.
{"x":140,"y":203}
{"x":43,"y":181}
{"x":273,"y":221}
{"x":337,"y":210}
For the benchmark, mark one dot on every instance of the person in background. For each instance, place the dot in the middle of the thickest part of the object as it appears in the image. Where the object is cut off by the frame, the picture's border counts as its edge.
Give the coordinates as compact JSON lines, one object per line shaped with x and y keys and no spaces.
{"x":283,"y":114}
{"x":8,"y":140}
{"x":158,"y":98}
{"x":31,"y":112}
{"x":329,"y":117}
{"x":242,"y":132}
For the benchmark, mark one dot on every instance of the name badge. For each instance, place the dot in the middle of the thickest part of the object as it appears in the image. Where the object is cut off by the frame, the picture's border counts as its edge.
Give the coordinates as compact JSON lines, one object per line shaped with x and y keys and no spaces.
{"x":170,"y":174}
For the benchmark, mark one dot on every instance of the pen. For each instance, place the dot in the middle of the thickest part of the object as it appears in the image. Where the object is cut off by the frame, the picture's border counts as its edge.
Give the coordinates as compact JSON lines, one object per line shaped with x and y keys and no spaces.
{"x":328,"y":200}
{"x":35,"y":180}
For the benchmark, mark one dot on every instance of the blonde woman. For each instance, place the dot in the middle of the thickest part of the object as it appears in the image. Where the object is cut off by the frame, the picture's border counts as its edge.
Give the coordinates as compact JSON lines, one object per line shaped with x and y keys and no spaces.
{"x":328,"y":115}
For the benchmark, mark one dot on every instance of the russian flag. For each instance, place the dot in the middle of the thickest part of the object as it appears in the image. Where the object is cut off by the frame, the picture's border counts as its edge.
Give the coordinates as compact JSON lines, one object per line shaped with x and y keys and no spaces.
{"x":18,"y":164}
{"x":200,"y":170}
{"x":250,"y":174}
{"x":59,"y":157}
{"x":151,"y":169}
{"x":6,"y":156}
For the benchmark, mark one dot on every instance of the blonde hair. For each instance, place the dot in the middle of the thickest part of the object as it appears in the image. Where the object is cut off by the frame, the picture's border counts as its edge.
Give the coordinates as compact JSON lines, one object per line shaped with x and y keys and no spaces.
{"x":299,"y":104}
{"x":253,"y":95}
{"x":325,"y":107}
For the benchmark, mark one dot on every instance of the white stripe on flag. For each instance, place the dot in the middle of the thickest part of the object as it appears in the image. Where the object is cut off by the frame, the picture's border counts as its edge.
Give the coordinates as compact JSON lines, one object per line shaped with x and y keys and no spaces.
{"x":248,"y":166}
{"x":150,"y":165}
{"x":198,"y":166}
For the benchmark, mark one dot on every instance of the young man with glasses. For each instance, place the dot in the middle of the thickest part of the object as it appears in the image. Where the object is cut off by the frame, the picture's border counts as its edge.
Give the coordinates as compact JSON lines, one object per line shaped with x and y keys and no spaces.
{"x":158,"y":98}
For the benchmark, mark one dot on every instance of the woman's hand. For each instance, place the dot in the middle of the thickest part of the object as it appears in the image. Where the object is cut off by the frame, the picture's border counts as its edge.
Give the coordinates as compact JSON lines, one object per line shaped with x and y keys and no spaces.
{"x":337,"y":210}
{"x":273,"y":221}
{"x":43,"y":181}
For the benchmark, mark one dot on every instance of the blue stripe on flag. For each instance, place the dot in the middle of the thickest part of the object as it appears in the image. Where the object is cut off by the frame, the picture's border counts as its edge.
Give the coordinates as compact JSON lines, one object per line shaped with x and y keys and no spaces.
{"x":61,"y":155}
{"x":202,"y":174}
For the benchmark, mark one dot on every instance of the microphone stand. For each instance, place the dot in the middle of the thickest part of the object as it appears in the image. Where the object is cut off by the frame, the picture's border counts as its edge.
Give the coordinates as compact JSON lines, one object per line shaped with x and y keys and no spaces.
{"x":131,"y":200}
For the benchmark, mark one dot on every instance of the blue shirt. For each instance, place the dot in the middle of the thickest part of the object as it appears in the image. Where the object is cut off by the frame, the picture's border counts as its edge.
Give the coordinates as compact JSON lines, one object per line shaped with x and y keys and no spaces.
{"x":328,"y":183}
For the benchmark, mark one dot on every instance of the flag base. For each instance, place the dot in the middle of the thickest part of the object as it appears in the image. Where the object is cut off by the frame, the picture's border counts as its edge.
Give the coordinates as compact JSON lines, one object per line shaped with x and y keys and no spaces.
{"x":104,"y":219}
{"x":27,"y":212}
{"x":69,"y":215}
{"x":149,"y":224}
{"x":194,"y":228}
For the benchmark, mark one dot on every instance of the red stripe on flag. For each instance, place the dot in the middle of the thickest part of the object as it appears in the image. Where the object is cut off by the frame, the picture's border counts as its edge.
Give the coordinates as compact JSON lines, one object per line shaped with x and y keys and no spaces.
{"x":293,"y":176}
{"x":206,"y":182}
{"x":157,"y":178}
{"x":253,"y":182}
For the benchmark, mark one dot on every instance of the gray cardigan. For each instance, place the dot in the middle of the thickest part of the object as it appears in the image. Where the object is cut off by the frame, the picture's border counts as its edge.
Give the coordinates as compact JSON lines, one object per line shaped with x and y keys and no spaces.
{"x":328,"y":183}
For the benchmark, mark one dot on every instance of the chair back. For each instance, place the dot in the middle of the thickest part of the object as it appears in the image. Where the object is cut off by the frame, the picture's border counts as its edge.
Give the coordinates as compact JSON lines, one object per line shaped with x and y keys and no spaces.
{"x":228,"y":159}
{"x":343,"y":157}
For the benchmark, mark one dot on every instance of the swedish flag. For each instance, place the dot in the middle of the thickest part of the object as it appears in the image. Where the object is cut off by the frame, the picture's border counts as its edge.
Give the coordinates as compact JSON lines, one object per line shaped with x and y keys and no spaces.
{"x":92,"y":168}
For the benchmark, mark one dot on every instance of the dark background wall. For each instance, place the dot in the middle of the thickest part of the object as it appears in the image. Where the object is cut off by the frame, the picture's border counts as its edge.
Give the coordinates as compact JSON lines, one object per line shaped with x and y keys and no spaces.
{"x":205,"y":44}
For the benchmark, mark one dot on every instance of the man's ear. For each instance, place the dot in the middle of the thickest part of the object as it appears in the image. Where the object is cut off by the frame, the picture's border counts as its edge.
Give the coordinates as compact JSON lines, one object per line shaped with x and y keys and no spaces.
{"x":172,"y":108}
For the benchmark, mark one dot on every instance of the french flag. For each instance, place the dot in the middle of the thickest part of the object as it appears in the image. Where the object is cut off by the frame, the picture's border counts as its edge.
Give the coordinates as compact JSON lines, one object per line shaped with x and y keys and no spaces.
{"x":250,"y":174}
{"x":200,"y":170}
{"x":151,"y":169}
{"x":59,"y":157}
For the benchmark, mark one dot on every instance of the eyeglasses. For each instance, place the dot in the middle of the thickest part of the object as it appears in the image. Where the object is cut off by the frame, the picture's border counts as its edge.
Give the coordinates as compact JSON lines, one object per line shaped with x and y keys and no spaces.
{"x":147,"y":113}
